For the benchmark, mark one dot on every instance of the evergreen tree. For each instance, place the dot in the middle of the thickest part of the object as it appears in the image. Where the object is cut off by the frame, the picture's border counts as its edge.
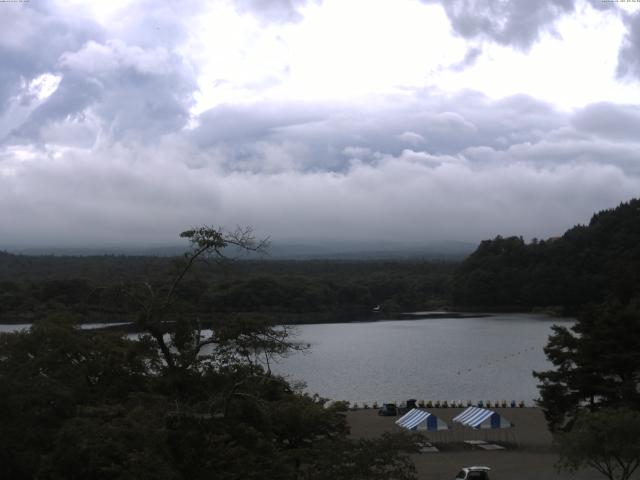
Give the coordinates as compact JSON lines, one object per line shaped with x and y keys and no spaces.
{"x":596,"y":364}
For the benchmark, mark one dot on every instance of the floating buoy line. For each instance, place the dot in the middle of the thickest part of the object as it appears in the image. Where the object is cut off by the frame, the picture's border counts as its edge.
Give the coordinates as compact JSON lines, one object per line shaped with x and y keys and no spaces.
{"x":497,"y":360}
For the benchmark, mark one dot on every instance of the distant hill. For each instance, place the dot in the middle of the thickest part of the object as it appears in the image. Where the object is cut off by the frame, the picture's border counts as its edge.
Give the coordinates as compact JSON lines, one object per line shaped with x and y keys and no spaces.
{"x":445,"y":250}
{"x":448,"y":250}
{"x":159,"y":251}
{"x":587,"y":264}
{"x":288,"y":290}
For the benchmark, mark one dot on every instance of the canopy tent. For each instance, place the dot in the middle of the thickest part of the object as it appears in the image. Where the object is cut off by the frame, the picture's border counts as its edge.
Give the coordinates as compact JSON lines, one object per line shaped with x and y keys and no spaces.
{"x":481,"y":418}
{"x":416,"y":419}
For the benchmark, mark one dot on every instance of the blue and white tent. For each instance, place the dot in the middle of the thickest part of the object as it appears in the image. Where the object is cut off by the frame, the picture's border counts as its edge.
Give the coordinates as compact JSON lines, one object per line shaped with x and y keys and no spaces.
{"x":481,"y":418}
{"x":416,"y":419}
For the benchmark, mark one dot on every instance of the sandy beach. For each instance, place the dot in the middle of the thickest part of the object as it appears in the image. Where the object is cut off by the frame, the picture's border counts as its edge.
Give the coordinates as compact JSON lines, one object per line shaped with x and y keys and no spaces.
{"x":528,"y":454}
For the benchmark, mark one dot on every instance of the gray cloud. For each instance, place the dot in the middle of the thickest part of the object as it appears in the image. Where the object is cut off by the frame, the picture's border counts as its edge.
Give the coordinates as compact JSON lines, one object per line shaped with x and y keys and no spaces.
{"x":230,"y":123}
{"x":66,"y":104}
{"x":517,"y":23}
{"x":608,"y":120}
{"x":629,"y":55}
{"x":32,"y":37}
{"x":411,"y":138}
{"x":278,"y":11}
{"x":140,"y":88}
{"x":318,"y":172}
{"x":314,"y":136}
{"x":106,"y":159}
{"x":469,"y":59}
{"x":135,"y":194}
{"x":520,"y":23}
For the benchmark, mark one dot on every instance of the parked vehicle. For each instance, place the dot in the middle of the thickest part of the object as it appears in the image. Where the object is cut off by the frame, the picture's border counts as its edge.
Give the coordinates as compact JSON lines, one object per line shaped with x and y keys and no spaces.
{"x":473,"y":473}
{"x":388,"y":410}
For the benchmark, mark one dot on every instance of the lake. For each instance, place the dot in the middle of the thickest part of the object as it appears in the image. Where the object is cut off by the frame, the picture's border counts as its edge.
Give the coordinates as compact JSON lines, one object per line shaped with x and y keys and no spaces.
{"x":489,"y":358}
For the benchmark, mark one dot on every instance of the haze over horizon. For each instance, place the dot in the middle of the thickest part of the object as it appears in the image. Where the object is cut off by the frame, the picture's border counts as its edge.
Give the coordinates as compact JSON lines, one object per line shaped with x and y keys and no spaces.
{"x":419,"y":121}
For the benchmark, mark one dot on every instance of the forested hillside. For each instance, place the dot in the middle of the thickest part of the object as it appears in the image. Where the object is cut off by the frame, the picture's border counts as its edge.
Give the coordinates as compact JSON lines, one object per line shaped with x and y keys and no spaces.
{"x":292,"y":291}
{"x":588,"y":264}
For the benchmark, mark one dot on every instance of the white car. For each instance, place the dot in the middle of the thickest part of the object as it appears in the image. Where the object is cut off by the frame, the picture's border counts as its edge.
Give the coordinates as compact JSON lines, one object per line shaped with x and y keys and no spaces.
{"x":473,"y":473}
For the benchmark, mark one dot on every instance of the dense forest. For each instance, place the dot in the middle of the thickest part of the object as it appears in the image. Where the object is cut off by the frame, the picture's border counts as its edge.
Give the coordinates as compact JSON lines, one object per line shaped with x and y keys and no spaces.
{"x":588,"y":264}
{"x":294,"y":291}
{"x":174,"y":403}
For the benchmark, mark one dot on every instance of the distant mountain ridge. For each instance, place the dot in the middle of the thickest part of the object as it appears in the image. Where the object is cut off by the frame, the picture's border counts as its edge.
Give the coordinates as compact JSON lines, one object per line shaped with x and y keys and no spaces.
{"x":452,"y":250}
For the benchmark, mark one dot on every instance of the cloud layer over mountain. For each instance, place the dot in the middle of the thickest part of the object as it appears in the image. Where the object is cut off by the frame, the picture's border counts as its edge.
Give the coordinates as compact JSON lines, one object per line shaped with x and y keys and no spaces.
{"x":104,"y":139}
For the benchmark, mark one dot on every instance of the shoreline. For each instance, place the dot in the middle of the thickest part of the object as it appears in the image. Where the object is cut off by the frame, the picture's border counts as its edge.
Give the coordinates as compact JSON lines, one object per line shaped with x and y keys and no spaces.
{"x":314,"y":319}
{"x":328,"y":317}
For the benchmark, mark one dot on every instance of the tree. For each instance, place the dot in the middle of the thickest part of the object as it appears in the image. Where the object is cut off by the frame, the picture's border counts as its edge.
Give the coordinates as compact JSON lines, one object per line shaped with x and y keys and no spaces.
{"x":49,"y":374}
{"x":176,"y":403}
{"x":157,"y":304}
{"x":607,"y":440}
{"x":597,"y":364}
{"x":364,"y":459}
{"x":586,"y":264}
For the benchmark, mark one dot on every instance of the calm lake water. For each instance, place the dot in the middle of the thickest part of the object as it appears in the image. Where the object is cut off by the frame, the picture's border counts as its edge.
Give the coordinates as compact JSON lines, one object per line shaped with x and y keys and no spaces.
{"x":488,"y":358}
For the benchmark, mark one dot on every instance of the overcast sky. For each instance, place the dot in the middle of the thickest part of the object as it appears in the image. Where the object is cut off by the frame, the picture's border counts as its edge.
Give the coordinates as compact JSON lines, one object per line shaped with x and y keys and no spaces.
{"x":125,"y":122}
